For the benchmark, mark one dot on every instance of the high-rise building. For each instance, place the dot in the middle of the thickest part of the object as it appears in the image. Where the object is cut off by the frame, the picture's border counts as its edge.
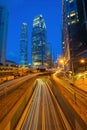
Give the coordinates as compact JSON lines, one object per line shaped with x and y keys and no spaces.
{"x":49,"y":56}
{"x":24,"y":45}
{"x":74,"y":31}
{"x":39,"y":43}
{"x":3,"y":33}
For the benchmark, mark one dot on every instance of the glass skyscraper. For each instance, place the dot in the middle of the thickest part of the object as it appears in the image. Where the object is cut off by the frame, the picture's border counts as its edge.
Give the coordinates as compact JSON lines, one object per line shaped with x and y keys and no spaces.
{"x":49,"y":56}
{"x":39,"y":43}
{"x":74,"y":31}
{"x":3,"y":33}
{"x":24,"y":45}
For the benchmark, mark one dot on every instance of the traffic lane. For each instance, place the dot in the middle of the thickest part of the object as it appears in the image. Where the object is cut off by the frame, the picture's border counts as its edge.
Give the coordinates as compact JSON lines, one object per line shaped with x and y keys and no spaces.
{"x":32,"y":110}
{"x":57,"y":113}
{"x":14,"y":84}
{"x":77,"y":95}
{"x":22,"y":79}
{"x":50,"y":117}
{"x":8,"y":101}
{"x":71,"y":109}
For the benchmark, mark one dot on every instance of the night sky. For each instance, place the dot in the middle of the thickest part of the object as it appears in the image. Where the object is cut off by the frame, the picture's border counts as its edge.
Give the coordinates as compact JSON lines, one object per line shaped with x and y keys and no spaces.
{"x":24,"y":11}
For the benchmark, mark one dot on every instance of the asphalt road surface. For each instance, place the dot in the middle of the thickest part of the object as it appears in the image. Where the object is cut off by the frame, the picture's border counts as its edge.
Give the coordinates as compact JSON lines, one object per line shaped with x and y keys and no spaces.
{"x":44,"y":112}
{"x":12,"y":91}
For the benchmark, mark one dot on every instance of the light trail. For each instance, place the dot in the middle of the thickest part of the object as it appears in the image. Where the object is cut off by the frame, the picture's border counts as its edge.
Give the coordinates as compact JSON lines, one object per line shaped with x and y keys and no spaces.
{"x":45,"y":102}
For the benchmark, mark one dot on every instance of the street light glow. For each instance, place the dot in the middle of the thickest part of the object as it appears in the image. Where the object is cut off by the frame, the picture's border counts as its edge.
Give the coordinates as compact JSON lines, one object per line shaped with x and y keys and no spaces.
{"x":82,"y":61}
{"x":61,"y":61}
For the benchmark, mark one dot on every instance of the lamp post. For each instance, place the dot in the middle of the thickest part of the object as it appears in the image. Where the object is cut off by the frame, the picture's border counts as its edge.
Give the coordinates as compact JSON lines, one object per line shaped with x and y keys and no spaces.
{"x":62,"y":62}
{"x":83,"y":62}
{"x":72,"y":67}
{"x":73,"y":79}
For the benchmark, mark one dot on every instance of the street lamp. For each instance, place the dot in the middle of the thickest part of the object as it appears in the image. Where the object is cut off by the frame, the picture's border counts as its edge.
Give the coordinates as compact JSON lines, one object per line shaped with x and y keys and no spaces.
{"x":61,"y":61}
{"x":83,"y":62}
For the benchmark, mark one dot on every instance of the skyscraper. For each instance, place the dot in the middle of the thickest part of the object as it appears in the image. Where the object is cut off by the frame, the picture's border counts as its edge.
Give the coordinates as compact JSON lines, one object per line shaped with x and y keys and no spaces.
{"x":49,"y":56}
{"x":74,"y":38}
{"x":39,"y":43}
{"x":24,"y":45}
{"x":3,"y":33}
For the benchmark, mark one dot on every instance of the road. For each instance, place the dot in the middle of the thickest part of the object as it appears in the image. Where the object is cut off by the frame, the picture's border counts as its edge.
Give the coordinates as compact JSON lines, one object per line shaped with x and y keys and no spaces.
{"x":77,"y":95}
{"x":76,"y":98}
{"x":12,"y":91}
{"x":13,"y":84}
{"x":44,"y":112}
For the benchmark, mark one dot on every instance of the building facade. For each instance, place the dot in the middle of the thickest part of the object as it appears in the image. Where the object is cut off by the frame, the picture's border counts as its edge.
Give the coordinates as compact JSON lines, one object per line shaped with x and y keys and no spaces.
{"x":24,"y":45}
{"x":3,"y":33}
{"x":74,"y":40}
{"x":39,"y":43}
{"x":49,"y":56}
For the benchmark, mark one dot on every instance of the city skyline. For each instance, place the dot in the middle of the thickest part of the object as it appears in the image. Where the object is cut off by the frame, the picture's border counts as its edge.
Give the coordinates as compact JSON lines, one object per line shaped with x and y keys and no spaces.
{"x":25,"y":11}
{"x":43,"y":76}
